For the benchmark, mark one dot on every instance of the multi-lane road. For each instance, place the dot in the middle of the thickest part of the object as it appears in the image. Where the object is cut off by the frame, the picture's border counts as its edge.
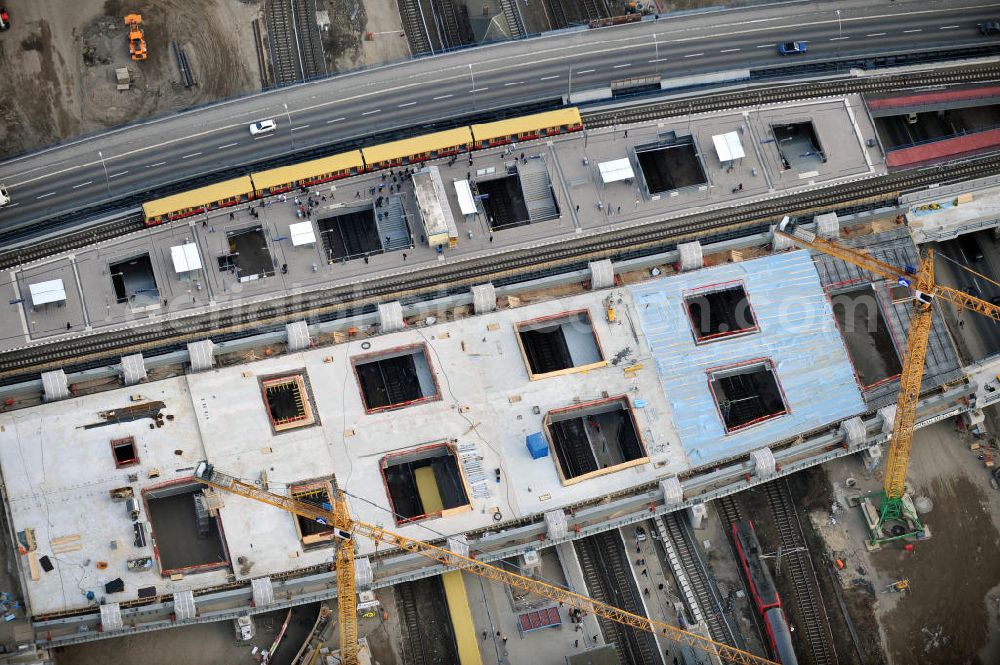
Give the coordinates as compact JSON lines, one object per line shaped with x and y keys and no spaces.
{"x":86,"y":171}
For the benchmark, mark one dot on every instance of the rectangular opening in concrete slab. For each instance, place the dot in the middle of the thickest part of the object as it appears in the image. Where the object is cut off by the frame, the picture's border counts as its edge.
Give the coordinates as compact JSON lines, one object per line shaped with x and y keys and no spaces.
{"x":747,"y":394}
{"x":125,"y":452}
{"x":559,"y":344}
{"x":504,"y":202}
{"x":720,"y":311}
{"x":425,"y":482}
{"x":594,"y":438}
{"x":134,"y":282}
{"x":914,"y":127}
{"x":312,"y":534}
{"x":670,"y":164}
{"x":350,"y":234}
{"x":288,"y":401}
{"x":188,"y":539}
{"x":798,"y":145}
{"x":249,"y":257}
{"x":867,"y":336}
{"x":396,"y":378}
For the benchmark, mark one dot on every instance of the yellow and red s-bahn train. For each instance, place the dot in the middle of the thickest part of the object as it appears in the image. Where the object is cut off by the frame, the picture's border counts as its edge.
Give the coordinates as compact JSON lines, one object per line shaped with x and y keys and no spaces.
{"x":383,"y":156}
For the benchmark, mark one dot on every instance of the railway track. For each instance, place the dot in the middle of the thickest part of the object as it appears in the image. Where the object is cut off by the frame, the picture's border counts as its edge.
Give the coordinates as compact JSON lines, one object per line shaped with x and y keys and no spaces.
{"x":701,"y":581}
{"x":607,"y":580}
{"x":337,"y":302}
{"x":729,"y":511}
{"x":294,"y":40}
{"x":796,"y":564}
{"x":120,"y":226}
{"x":415,"y":26}
{"x":774,"y":93}
{"x":409,"y":620}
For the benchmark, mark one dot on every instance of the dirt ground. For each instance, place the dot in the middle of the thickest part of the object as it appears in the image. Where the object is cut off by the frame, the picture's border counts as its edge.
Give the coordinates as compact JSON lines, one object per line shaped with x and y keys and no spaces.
{"x":60,"y":65}
{"x":950,"y":613}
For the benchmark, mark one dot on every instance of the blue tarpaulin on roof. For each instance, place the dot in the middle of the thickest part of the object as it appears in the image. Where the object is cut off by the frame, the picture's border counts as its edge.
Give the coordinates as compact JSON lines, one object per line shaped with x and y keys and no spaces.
{"x":537,"y":445}
{"x":797,"y":334}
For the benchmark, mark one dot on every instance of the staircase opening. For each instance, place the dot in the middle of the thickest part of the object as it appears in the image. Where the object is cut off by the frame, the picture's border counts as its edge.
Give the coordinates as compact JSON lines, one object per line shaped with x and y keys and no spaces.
{"x":288,"y":401}
{"x":594,"y":438}
{"x":799,"y":146}
{"x":188,"y":539}
{"x":747,"y":394}
{"x":351,"y":234}
{"x":249,"y":257}
{"x":425,"y":482}
{"x":503,"y":202}
{"x":396,"y":378}
{"x":867,"y":336}
{"x":135,"y":283}
{"x":720,"y":311}
{"x":669,"y":165}
{"x":559,"y":344}
{"x":317,"y":493}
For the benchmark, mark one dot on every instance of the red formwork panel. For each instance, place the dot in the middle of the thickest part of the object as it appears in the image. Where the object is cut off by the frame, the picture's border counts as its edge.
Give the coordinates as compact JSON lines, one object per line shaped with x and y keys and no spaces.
{"x":928,"y":152}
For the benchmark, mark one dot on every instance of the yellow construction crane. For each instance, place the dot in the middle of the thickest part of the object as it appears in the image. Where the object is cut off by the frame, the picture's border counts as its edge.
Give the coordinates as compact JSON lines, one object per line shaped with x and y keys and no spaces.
{"x":895,"y":517}
{"x":345,"y":529}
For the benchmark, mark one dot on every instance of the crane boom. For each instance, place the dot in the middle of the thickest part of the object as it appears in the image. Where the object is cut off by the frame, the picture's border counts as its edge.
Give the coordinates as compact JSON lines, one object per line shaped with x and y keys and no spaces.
{"x":345,"y":528}
{"x":894,"y":508}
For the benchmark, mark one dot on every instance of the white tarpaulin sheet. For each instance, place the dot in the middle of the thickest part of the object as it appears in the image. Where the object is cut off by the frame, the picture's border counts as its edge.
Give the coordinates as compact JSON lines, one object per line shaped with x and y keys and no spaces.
{"x":46,"y":292}
{"x":465,"y":201}
{"x":615,"y":171}
{"x":728,"y":146}
{"x":302,"y":233}
{"x":185,"y":257}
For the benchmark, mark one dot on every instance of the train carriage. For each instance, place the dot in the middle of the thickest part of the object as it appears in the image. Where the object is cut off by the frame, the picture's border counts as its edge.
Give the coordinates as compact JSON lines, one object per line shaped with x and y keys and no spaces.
{"x":306,"y":174}
{"x":765,"y":595}
{"x":211,"y":197}
{"x":527,"y":127}
{"x":780,"y":636}
{"x":417,"y":149}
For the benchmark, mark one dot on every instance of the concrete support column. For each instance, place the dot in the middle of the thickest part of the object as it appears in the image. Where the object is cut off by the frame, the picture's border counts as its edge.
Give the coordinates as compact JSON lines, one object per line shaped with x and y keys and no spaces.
{"x":673,"y":493}
{"x":556,"y":525}
{"x":602,"y":274}
{"x":133,"y":369}
{"x":263,"y":591}
{"x":298,"y":335}
{"x":390,"y":316}
{"x":201,"y":355}
{"x":853,"y":430}
{"x":762,"y":461}
{"x":184,"y":605}
{"x":827,"y":225}
{"x":111,"y":617}
{"x":692,"y":256}
{"x":484,"y":298}
{"x":55,"y":385}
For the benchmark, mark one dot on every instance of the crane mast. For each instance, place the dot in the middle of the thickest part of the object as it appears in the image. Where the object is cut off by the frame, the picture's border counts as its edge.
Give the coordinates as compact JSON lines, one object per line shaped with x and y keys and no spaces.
{"x":345,"y":528}
{"x":895,"y":515}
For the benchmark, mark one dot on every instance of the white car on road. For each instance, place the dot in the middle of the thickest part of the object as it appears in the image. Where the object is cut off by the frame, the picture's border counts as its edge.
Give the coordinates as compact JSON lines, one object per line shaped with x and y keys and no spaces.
{"x":262,"y":127}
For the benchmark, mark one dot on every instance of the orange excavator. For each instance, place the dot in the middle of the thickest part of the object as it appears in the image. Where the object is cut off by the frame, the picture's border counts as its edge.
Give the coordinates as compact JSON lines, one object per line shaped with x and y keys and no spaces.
{"x":136,"y":41}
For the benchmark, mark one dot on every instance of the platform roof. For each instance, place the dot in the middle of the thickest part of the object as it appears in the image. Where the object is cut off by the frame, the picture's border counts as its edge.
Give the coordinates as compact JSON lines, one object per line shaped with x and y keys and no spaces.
{"x":302,"y":233}
{"x":185,"y":257}
{"x":616,"y":170}
{"x":46,"y":292}
{"x":797,"y":334}
{"x":465,"y":201}
{"x":728,"y":146}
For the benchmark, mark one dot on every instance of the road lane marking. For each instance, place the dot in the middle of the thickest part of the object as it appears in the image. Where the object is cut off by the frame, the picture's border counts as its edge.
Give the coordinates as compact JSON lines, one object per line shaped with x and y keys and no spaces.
{"x":372,"y":112}
{"x":765,"y":46}
{"x":478,"y":89}
{"x":228,"y":145}
{"x":193,"y":154}
{"x":403,"y":106}
{"x":115,"y":175}
{"x":586,"y":71}
{"x":443,"y":97}
{"x":658,"y":60}
{"x":513,"y":83}
{"x":83,"y":184}
{"x":693,"y":55}
{"x":905,"y":32}
{"x":837,"y":39}
{"x":548,"y":78}
{"x":948,"y":27}
{"x":877,"y":34}
{"x":729,"y":50}
{"x":627,"y":64}
{"x":45,"y":195}
{"x":150,"y":166}
{"x":330,"y":122}
{"x":295,"y":129}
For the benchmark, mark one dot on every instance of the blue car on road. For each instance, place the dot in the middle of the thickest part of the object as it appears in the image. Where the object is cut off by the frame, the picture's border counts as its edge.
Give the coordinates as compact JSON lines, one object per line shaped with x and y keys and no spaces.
{"x":791,"y":48}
